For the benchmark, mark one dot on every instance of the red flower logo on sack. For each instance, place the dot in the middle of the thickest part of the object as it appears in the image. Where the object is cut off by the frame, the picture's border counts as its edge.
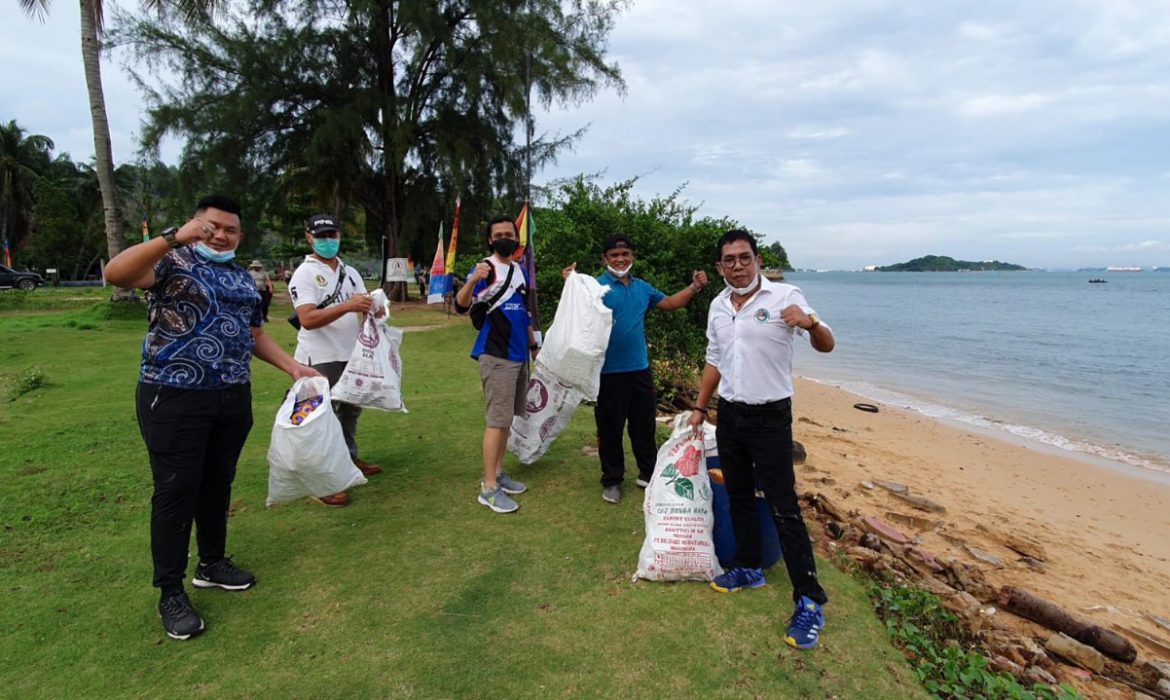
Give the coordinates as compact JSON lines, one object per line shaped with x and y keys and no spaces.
{"x":688,"y":464}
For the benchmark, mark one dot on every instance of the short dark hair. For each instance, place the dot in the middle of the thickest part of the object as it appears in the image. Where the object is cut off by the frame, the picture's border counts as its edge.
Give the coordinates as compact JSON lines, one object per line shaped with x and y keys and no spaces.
{"x":220,"y":202}
{"x":619,"y":240}
{"x":499,"y":219}
{"x":732,"y":236}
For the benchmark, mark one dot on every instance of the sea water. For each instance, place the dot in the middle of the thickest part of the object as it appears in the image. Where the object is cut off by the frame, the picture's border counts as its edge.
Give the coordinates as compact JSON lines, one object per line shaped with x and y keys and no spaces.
{"x":1044,"y":356}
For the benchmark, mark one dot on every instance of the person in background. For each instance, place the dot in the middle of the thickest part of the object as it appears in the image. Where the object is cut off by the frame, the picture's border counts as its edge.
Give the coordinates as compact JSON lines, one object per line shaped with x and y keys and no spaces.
{"x":420,"y":278}
{"x":751,"y":329}
{"x":502,"y":349}
{"x":194,"y":396}
{"x":263,"y":285}
{"x":329,"y":299}
{"x":627,"y":396}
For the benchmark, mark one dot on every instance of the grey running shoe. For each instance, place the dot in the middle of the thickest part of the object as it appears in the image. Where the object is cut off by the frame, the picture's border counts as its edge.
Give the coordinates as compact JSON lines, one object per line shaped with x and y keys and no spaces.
{"x":497,"y":500}
{"x":509,"y":484}
{"x":612,"y":494}
{"x":178,"y":617}
{"x":643,"y":482}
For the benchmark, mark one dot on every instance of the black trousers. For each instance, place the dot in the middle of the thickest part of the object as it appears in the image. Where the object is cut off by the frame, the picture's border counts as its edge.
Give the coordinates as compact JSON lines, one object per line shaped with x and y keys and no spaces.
{"x":265,"y":302}
{"x":626,"y":398}
{"x":755,"y":445}
{"x":194,"y":439}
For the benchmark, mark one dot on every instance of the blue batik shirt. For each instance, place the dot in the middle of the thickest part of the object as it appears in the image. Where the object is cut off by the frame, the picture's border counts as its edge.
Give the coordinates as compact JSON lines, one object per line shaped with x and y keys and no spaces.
{"x":631,"y":302}
{"x":201,"y":319}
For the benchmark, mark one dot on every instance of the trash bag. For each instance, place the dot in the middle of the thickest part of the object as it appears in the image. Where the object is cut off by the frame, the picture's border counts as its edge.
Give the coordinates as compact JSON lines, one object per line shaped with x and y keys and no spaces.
{"x":574,"y":347}
{"x":373,"y":375}
{"x":307,"y":455}
{"x":679,"y":511}
{"x":551,"y":405}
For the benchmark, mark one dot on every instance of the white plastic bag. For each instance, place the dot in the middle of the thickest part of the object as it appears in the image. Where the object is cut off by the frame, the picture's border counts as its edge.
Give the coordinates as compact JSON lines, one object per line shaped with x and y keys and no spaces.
{"x":308,"y":457}
{"x":574,"y":348}
{"x":373,"y":375}
{"x":550,"y":408}
{"x":679,"y":512}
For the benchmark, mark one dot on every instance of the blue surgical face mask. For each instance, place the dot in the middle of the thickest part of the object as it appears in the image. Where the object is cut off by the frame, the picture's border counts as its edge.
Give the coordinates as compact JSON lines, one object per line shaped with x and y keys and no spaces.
{"x":326,"y":247}
{"x":214,"y":255}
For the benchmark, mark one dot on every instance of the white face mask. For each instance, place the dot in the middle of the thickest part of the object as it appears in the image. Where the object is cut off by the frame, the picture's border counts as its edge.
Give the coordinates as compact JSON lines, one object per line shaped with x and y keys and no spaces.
{"x":619,"y":273}
{"x":744,"y":291}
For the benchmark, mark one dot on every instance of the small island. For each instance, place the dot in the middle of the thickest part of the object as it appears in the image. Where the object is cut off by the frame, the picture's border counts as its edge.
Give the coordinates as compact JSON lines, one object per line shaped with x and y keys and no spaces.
{"x":942,"y":263}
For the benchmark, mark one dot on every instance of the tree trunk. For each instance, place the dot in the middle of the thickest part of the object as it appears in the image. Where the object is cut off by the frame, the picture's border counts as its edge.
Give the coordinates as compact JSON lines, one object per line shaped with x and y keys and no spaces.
{"x":103,"y":154}
{"x":1036,"y":609}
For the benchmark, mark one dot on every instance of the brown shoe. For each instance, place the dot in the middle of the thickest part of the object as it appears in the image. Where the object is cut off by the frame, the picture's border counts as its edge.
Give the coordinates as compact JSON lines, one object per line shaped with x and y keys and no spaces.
{"x":366,"y":468}
{"x":337,"y":500}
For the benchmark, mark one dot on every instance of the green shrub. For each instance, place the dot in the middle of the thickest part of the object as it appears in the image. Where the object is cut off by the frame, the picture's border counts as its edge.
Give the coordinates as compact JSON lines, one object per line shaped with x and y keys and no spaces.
{"x":33,"y":378}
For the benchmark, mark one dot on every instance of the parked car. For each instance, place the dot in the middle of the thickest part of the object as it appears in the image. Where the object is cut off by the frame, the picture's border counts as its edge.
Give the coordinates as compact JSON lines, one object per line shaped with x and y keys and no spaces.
{"x":26,"y":281}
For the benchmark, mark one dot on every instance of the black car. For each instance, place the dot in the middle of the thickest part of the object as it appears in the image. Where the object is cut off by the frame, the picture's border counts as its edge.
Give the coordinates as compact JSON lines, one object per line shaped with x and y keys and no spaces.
{"x":26,"y":281}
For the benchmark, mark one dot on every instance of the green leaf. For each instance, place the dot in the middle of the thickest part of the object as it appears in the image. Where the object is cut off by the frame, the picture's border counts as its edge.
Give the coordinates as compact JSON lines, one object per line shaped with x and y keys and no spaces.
{"x":685,"y":488}
{"x":669,"y":472}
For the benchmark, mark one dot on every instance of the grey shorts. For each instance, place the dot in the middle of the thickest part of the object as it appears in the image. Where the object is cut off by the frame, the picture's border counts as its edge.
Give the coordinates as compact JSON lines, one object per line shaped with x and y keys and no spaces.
{"x":505,"y":386}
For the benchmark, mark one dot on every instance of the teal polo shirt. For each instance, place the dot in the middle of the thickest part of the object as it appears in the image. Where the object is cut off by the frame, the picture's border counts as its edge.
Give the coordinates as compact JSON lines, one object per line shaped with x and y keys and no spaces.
{"x":627,"y":341}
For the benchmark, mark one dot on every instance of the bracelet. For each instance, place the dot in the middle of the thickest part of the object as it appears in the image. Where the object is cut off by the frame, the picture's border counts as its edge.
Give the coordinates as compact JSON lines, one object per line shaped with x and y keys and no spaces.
{"x":534,"y":346}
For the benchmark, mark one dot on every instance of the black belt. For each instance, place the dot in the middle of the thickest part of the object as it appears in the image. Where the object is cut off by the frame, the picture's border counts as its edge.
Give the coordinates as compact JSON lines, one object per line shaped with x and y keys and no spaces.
{"x":747,"y":409}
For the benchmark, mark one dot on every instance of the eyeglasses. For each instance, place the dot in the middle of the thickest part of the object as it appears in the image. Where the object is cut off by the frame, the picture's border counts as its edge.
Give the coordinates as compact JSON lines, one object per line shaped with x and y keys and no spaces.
{"x":741,"y":260}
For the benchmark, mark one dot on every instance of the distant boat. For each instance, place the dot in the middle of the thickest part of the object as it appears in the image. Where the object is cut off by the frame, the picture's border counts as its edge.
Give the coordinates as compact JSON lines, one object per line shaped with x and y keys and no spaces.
{"x":1123,"y":269}
{"x":1096,"y":280}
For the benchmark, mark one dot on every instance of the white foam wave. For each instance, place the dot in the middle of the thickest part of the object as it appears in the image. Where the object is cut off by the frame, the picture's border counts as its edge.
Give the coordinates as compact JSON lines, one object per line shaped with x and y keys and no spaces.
{"x":1025,"y":432}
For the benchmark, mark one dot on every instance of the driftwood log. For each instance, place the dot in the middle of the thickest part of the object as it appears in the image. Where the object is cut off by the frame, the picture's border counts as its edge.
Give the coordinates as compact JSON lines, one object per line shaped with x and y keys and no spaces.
{"x":1052,"y":616}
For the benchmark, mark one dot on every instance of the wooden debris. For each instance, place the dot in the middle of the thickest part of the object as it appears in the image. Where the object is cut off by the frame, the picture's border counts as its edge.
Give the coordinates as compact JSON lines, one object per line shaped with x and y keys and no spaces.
{"x":1025,"y":547}
{"x":884,"y":530}
{"x":1162,"y":645}
{"x":919,"y":502}
{"x":826,"y":505}
{"x":893,"y":486}
{"x":984,"y":556}
{"x":1070,"y":649}
{"x":1035,"y":674}
{"x":1033,"y":564}
{"x":1159,"y":621}
{"x":1036,"y":609}
{"x":913,"y":521}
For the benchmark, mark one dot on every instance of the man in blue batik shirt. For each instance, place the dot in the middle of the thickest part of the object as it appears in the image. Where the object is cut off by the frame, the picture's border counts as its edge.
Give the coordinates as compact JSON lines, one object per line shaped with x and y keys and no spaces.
{"x":194,"y":395}
{"x":627,"y":394}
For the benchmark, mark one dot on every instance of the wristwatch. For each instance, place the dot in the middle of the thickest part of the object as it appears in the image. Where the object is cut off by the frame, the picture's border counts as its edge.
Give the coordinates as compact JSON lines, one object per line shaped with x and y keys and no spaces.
{"x":169,"y":237}
{"x":816,"y":320}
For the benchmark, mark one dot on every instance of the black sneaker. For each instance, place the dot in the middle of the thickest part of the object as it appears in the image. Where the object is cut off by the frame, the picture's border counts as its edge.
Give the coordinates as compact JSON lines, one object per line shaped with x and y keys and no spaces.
{"x":178,"y":617}
{"x":222,"y":574}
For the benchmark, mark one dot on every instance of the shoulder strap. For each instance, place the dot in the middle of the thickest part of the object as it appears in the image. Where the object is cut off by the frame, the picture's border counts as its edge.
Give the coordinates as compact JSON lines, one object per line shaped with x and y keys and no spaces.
{"x":342,"y":274}
{"x":504,"y":287}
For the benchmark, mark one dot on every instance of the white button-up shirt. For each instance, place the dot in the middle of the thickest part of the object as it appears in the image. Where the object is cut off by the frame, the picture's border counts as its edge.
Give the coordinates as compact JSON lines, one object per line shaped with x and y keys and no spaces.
{"x":752,"y":347}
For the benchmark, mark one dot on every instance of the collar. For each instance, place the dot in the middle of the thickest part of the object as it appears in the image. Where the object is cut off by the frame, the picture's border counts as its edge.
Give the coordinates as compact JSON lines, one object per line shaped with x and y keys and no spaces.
{"x":767,"y":286}
{"x":607,"y":278}
{"x":311,"y":259}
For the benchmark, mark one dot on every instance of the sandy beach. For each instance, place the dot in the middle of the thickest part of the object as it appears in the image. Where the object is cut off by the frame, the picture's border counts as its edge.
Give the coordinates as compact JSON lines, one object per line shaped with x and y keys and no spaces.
{"x":1104,"y":530}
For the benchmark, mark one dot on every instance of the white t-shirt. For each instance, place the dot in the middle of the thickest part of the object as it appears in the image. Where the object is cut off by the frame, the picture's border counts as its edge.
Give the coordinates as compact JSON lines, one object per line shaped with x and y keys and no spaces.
{"x":312,"y":283}
{"x":752,"y":347}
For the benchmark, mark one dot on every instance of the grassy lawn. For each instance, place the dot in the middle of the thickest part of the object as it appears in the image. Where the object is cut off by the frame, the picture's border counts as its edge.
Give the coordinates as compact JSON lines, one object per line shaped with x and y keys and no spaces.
{"x":414,"y":590}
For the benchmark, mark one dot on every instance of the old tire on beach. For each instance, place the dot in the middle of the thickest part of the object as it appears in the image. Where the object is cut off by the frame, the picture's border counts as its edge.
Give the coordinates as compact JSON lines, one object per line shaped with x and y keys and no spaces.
{"x":867,"y":407}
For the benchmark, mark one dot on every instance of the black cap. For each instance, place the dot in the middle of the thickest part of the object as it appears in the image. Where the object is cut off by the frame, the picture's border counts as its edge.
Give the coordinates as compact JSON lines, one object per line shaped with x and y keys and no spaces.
{"x":618,"y":241}
{"x":318,"y":223}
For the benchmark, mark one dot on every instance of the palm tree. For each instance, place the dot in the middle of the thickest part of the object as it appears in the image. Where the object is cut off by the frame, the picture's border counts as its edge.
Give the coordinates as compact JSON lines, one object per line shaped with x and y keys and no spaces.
{"x":23,"y":159}
{"x":91,"y":47}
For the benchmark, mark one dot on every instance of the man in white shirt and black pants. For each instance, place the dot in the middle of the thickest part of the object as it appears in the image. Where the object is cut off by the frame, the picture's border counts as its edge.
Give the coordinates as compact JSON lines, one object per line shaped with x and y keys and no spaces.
{"x":751,"y":327}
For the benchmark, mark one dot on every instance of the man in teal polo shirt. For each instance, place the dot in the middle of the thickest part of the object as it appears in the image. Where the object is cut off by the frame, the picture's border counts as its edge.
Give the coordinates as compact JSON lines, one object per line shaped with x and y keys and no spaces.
{"x":627,"y":393}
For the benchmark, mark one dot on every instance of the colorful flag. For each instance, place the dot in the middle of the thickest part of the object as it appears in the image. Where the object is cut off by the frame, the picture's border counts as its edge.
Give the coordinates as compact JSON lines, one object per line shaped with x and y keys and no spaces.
{"x":7,"y":254}
{"x":440,"y":282}
{"x":145,"y":230}
{"x":526,"y":256}
{"x":454,"y":239}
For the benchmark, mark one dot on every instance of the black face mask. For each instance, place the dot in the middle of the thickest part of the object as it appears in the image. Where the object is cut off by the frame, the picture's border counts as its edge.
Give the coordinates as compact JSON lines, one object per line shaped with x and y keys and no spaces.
{"x":504,"y":247}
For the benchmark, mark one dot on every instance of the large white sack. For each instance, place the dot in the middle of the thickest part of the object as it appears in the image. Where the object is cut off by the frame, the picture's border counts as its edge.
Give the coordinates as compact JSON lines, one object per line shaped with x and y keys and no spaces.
{"x":574,"y":347}
{"x":551,"y":405}
{"x":373,"y":375}
{"x":679,"y":512}
{"x":309,"y":458}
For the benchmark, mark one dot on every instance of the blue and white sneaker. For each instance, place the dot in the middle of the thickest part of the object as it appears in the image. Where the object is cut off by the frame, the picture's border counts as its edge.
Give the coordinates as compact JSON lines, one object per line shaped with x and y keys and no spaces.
{"x":510,"y":485}
{"x":738,"y":578}
{"x":804,"y":629}
{"x":497,"y":500}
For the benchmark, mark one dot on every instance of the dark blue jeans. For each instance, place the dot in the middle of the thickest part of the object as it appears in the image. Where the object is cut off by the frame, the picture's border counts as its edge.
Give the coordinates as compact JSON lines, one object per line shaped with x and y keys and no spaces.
{"x":755,"y":445}
{"x":194,"y":439}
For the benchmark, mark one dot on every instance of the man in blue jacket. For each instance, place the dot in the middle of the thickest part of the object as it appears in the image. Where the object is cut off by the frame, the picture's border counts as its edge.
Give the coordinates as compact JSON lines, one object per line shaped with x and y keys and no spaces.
{"x":627,"y":394}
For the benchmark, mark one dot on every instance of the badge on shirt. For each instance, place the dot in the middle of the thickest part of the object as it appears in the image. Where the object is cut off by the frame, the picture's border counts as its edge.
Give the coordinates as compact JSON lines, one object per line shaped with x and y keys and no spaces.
{"x":320,"y":280}
{"x":762,"y":315}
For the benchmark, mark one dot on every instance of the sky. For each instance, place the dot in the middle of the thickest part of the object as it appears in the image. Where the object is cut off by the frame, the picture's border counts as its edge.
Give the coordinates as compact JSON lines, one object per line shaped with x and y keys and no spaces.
{"x":854,"y":132}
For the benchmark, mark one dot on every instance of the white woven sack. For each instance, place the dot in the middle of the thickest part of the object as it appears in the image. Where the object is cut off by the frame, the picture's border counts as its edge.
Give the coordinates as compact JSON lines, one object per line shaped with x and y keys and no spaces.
{"x":574,"y":347}
{"x":550,"y":407}
{"x":310,"y":459}
{"x":373,"y":375}
{"x":679,"y":513}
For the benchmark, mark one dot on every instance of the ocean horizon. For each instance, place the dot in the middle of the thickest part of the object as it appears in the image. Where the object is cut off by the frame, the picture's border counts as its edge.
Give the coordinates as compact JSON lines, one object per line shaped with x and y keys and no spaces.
{"x":1043,"y":357}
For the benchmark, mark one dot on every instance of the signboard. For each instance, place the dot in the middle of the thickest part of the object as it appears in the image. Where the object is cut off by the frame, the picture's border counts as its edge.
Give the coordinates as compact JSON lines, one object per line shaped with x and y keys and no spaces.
{"x":396,"y":270}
